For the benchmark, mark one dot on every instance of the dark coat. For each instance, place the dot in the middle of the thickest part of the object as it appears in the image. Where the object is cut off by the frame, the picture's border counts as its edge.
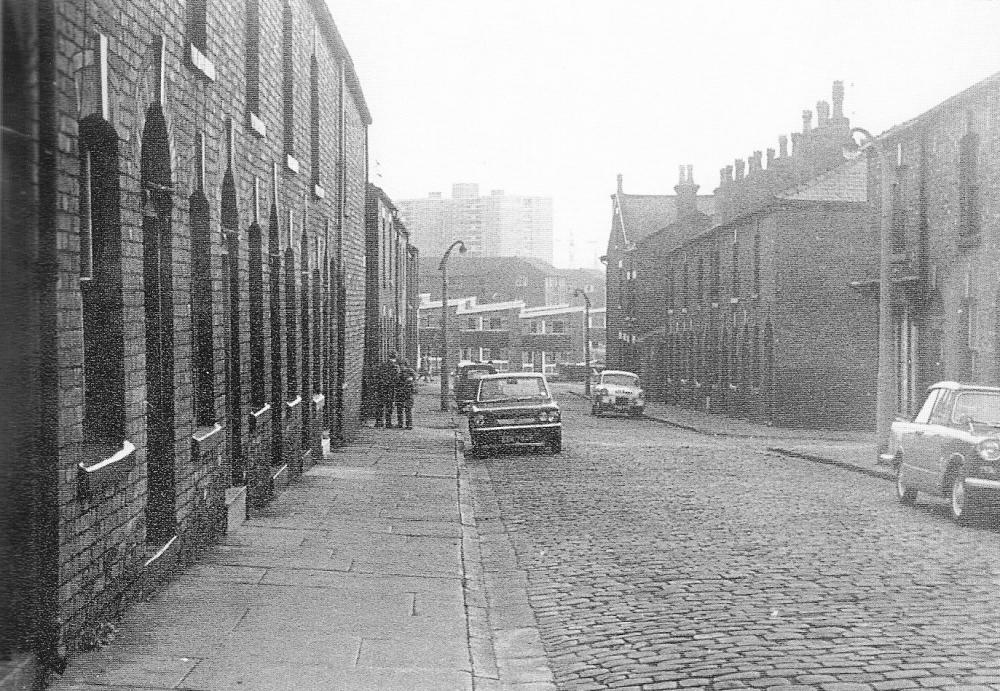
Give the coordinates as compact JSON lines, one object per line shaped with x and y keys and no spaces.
{"x":406,"y":385}
{"x":387,"y":379}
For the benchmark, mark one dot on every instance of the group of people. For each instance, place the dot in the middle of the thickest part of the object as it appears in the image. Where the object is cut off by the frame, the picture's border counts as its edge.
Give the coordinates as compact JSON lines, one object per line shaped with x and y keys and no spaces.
{"x":395,"y":388}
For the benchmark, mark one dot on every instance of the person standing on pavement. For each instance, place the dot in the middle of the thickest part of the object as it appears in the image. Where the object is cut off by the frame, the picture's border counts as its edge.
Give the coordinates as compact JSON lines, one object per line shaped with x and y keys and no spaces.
{"x":405,"y":389}
{"x":387,"y":379}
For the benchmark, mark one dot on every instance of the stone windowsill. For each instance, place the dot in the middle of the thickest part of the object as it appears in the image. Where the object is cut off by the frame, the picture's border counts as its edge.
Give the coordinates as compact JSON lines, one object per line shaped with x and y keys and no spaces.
{"x":319,"y":192}
{"x":206,"y":440}
{"x":259,"y":418}
{"x":200,"y":63}
{"x":114,"y":466}
{"x":256,"y":125}
{"x":294,"y":403}
{"x":291,"y":163}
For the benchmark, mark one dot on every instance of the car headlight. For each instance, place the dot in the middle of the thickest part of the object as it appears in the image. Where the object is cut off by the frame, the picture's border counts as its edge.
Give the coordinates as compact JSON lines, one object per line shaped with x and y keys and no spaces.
{"x":479,"y":420}
{"x":989,"y":449}
{"x":554,"y":416}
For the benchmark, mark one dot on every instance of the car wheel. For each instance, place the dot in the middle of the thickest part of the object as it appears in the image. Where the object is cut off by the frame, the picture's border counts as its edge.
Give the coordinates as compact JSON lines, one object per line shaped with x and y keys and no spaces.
{"x":905,"y":495}
{"x":594,"y":410}
{"x":962,"y":499}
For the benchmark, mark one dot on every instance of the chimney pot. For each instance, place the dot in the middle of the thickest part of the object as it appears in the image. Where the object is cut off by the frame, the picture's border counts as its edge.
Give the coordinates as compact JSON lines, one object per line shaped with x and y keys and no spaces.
{"x":783,"y":146}
{"x":838,"y":99}
{"x":740,"y":166}
{"x":619,"y":183}
{"x":690,"y":169}
{"x":680,"y":175}
{"x":757,"y":166}
{"x":807,"y":117}
{"x":823,"y":113}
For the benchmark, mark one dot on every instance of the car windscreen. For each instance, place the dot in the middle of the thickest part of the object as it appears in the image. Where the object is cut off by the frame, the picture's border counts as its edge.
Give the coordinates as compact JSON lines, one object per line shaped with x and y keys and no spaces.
{"x":512,"y":389}
{"x":978,"y":406}
{"x":620,"y":380}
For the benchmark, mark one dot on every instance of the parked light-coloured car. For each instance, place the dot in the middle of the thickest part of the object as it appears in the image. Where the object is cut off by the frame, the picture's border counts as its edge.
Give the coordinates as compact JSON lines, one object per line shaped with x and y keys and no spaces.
{"x":951,"y":448}
{"x":618,"y":391}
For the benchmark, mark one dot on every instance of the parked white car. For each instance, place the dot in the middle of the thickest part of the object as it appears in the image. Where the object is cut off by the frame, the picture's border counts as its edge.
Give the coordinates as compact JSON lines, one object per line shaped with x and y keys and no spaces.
{"x":618,"y":391}
{"x":951,"y":448}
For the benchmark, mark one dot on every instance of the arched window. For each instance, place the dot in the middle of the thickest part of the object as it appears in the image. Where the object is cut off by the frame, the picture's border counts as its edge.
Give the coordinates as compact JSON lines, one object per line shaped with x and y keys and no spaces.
{"x":258,"y":382}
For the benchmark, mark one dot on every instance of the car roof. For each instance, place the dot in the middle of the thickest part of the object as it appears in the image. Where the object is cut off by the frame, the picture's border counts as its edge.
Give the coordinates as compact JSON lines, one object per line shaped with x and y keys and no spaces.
{"x":956,"y":386}
{"x":619,"y":371}
{"x":508,"y":375}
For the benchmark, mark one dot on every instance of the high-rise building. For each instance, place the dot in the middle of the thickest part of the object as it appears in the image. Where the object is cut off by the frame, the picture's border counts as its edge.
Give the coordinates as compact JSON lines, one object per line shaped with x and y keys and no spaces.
{"x":498,"y":225}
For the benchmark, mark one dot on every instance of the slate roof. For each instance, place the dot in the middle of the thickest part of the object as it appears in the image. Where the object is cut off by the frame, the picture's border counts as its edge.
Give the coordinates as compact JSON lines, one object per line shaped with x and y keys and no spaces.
{"x":845,"y":183}
{"x":644,"y":214}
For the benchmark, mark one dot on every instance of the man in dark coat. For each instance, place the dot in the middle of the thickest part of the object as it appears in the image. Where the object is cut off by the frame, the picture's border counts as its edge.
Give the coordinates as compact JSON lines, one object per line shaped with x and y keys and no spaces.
{"x":406,"y":387}
{"x":385,"y":390}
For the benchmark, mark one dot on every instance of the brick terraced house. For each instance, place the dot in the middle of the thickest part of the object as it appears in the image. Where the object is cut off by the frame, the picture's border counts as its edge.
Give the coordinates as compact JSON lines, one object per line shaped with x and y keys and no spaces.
{"x":944,"y":244}
{"x":391,"y":290}
{"x":751,"y":311}
{"x":183,"y":269}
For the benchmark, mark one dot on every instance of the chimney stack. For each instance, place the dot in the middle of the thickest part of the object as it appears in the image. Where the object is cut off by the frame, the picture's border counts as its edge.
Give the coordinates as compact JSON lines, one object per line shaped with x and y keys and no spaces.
{"x":770,"y":156}
{"x":822,"y":113}
{"x":796,"y":143}
{"x":807,"y":117}
{"x":783,"y":146}
{"x":755,"y":164}
{"x":619,"y":183}
{"x":723,"y":177}
{"x":687,"y":193}
{"x":740,"y":166}
{"x":838,"y":99}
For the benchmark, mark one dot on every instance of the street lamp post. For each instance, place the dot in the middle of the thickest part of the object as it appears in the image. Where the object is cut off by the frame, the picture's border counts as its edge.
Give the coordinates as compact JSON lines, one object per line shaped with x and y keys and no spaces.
{"x":884,"y":385}
{"x":443,"y":268}
{"x":586,"y":336}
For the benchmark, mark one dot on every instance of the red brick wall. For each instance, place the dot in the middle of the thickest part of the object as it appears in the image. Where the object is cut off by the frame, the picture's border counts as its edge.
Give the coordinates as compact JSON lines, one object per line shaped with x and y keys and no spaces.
{"x":104,"y":541}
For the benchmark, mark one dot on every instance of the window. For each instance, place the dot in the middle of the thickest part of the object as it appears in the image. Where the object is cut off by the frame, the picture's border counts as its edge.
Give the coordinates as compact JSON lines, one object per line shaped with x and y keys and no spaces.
{"x":701,"y":279}
{"x":716,"y":274}
{"x":472,"y":323}
{"x":558,"y":327}
{"x":736,"y":270}
{"x":101,"y":283}
{"x":288,"y":85}
{"x":253,"y":67}
{"x":496,"y":323}
{"x":201,"y":293}
{"x":291,"y":326}
{"x":898,"y":228}
{"x":196,"y":33}
{"x":533,"y":327}
{"x":256,"y":285}
{"x":756,"y":264}
{"x":968,"y":189}
{"x":314,"y":124}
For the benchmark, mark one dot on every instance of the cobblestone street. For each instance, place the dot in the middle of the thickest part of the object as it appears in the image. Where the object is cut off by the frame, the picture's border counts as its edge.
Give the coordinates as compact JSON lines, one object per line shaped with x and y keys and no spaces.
{"x":660,"y":558}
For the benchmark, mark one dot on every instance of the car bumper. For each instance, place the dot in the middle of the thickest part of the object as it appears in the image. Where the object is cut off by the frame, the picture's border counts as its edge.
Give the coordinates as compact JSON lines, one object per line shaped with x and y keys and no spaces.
{"x":515,"y":435}
{"x":613,"y":405}
{"x":982,"y":483}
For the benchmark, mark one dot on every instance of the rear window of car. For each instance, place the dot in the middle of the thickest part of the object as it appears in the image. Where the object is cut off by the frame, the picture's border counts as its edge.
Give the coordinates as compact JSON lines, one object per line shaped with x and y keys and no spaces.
{"x":620,"y":380}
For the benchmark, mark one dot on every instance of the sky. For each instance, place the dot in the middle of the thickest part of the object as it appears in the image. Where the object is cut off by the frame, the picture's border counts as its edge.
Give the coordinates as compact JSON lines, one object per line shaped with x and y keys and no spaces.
{"x":556,"y":97}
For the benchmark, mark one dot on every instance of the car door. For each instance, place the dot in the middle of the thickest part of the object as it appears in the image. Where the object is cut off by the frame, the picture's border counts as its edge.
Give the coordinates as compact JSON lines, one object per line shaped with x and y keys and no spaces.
{"x":912,"y":441}
{"x":929,"y":441}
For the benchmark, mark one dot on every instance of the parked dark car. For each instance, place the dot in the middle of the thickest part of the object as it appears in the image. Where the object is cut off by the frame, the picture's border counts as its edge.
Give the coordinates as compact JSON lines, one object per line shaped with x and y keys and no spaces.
{"x":467,"y":377}
{"x":951,"y":448}
{"x":515,"y":410}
